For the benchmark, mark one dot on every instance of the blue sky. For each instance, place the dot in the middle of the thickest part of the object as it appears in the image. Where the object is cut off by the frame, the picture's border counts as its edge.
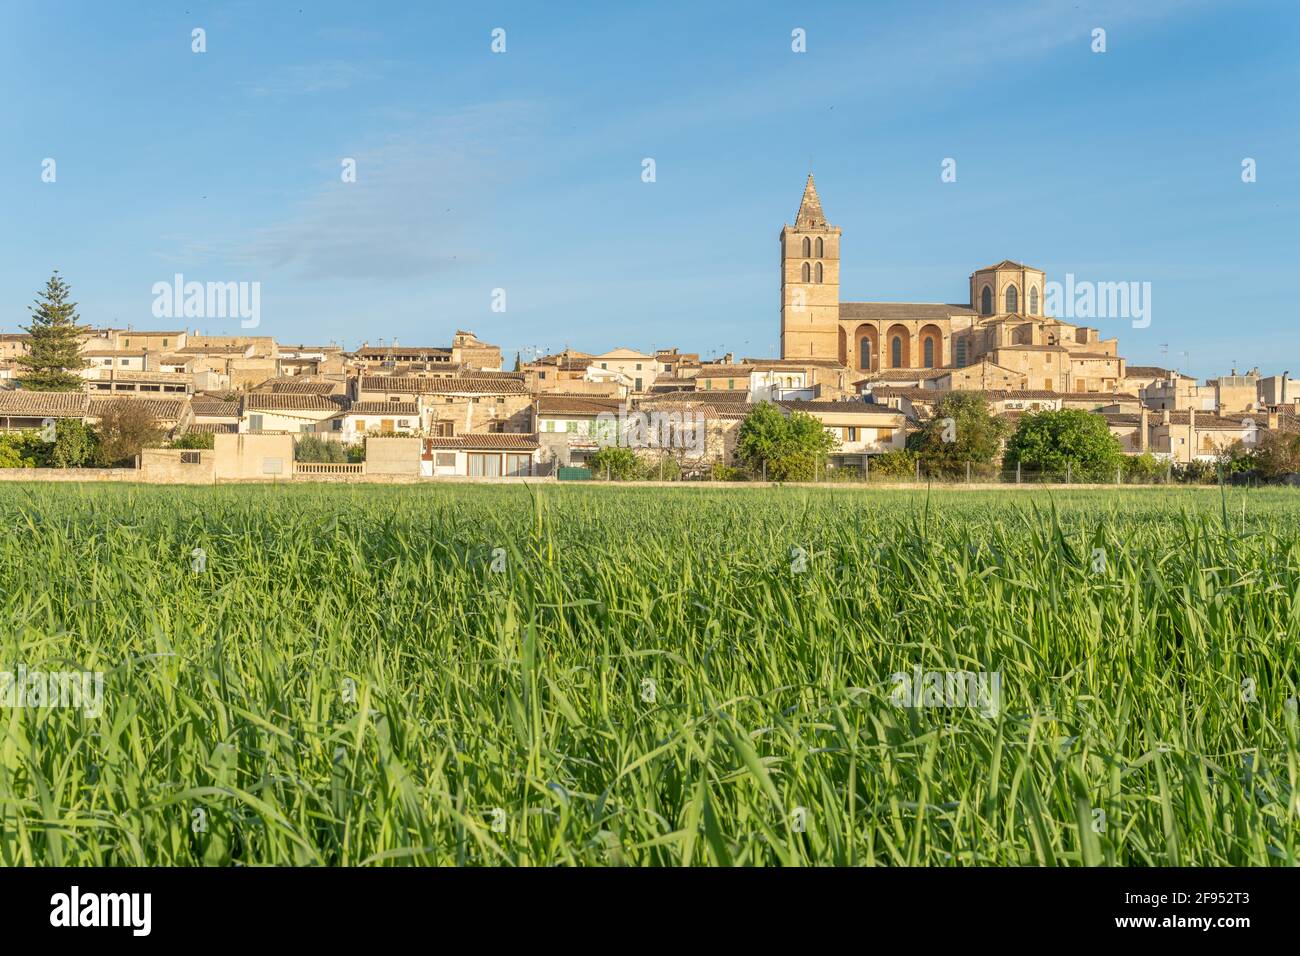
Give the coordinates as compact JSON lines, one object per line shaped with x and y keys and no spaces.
{"x":522,"y":170}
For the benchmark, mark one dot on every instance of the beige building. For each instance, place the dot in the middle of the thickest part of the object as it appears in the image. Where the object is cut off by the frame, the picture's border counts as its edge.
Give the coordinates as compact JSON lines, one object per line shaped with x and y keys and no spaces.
{"x":466,"y":352}
{"x":481,"y":456}
{"x":457,"y":404}
{"x":288,"y":412}
{"x":1184,"y":436}
{"x":637,"y":370}
{"x":1003,"y":321}
{"x":570,"y":428}
{"x":858,"y":427}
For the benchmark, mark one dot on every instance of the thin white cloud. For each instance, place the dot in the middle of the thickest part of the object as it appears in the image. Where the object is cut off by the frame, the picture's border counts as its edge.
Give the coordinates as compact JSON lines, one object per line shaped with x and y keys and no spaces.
{"x":415,"y":210}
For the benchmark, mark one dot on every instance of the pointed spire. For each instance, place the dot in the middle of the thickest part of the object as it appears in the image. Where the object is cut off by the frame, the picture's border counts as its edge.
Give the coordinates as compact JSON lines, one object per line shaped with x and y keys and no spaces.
{"x":810,"y":209}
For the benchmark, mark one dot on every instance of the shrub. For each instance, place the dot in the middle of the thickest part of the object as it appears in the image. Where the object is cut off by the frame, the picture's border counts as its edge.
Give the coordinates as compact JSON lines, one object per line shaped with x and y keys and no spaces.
{"x":312,"y":449}
{"x":1197,"y":472}
{"x":899,"y":465}
{"x":723,"y":472}
{"x":195,"y":440}
{"x":1277,"y":454}
{"x":20,"y":449}
{"x":1144,"y":469}
{"x":615,"y":462}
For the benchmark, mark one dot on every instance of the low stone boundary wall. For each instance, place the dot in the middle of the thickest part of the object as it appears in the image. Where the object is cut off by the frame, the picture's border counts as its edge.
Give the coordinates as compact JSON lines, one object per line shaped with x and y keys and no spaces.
{"x":129,"y":475}
{"x":69,"y":474}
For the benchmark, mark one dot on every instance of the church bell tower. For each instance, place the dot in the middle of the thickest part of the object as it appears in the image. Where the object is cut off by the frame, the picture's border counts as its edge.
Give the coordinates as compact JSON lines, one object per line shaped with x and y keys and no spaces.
{"x":810,"y":283}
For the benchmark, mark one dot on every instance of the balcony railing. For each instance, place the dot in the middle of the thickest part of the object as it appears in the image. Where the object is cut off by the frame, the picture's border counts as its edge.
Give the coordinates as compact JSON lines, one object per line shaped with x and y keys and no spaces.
{"x":327,"y":468}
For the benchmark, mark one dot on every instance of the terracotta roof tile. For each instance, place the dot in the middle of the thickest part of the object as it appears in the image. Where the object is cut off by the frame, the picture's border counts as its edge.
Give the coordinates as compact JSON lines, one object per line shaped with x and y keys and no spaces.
{"x":164,"y":409}
{"x":384,"y":408}
{"x":29,"y":404}
{"x":576,"y":404}
{"x":488,"y":441}
{"x":901,"y":311}
{"x":289,"y":401}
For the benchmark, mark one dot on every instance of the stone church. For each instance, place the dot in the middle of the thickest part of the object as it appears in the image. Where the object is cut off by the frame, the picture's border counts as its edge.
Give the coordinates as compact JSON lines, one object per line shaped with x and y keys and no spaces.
{"x":1001,"y":335}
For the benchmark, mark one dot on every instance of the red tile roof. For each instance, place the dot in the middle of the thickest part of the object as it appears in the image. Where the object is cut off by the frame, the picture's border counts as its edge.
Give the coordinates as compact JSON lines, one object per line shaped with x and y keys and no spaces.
{"x":488,"y":441}
{"x":22,"y":403}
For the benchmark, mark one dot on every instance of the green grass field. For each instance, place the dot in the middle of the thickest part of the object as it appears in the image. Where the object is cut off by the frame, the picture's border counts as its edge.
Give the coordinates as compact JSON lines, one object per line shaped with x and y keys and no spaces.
{"x":356,"y":675}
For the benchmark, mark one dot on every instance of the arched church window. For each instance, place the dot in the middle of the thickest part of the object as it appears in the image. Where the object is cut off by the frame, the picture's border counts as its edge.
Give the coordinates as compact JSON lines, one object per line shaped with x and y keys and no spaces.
{"x":864,"y":354}
{"x":1033,"y":301}
{"x":986,"y":301}
{"x":1013,"y":299}
{"x":896,"y":352}
{"x":807,"y":270}
{"x":928,"y":352}
{"x":960,"y":357}
{"x":807,"y":247}
{"x":819,"y":272}
{"x":819,"y":247}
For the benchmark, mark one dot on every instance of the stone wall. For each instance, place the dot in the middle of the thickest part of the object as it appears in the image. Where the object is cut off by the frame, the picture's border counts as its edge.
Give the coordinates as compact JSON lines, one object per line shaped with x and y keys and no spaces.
{"x":69,"y":474}
{"x":245,"y":455}
{"x":167,"y":466}
{"x":393,"y":456}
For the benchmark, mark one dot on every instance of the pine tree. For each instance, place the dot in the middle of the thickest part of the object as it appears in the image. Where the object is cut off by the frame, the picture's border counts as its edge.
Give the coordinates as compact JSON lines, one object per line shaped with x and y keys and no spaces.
{"x":55,"y":354}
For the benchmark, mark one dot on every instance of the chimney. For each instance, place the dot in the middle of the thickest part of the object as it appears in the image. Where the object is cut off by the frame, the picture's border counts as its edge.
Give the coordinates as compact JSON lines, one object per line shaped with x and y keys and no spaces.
{"x":1143,"y":421}
{"x":1274,"y":417}
{"x":1283,"y":396}
{"x":1164,"y":417}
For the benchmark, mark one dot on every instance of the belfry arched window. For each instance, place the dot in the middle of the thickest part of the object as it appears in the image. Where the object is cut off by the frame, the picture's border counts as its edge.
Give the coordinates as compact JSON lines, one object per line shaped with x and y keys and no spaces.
{"x":896,"y":352}
{"x":819,"y":272}
{"x":807,"y":247}
{"x":1013,"y":299}
{"x":807,"y":271}
{"x":986,"y":301}
{"x":819,"y":247}
{"x":1033,"y":301}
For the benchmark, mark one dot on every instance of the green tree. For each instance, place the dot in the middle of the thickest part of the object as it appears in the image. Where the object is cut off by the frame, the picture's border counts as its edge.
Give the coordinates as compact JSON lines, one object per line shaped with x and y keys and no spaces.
{"x":73,"y":446}
{"x":195,"y":440}
{"x":20,"y":449}
{"x":793,"y":447}
{"x":125,"y":427}
{"x":616,"y":461}
{"x":1051,"y":441}
{"x":963,"y":430}
{"x":55,"y":354}
{"x":1277,"y":454}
